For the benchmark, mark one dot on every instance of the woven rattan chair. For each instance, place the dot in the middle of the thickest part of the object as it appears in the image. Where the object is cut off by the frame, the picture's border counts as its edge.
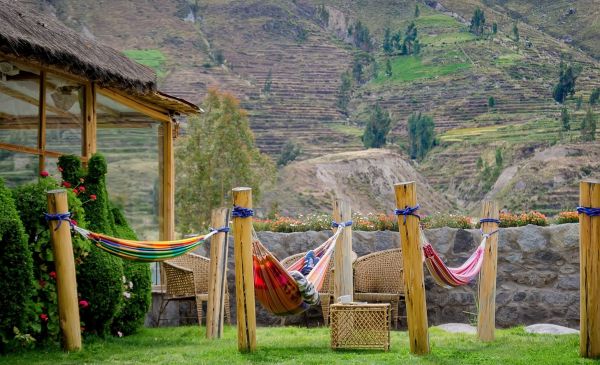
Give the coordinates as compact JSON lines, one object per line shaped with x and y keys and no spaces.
{"x":378,"y":277}
{"x":187,"y":278}
{"x":326,"y":293}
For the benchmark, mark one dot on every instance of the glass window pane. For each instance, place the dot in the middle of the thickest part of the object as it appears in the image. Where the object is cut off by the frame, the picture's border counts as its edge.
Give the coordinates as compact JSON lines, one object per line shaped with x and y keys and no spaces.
{"x":19,"y":106}
{"x":64,"y":115}
{"x":18,"y":168}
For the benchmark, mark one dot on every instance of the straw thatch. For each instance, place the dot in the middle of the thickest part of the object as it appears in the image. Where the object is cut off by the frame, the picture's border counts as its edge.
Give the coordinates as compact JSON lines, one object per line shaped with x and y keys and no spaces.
{"x":34,"y":36}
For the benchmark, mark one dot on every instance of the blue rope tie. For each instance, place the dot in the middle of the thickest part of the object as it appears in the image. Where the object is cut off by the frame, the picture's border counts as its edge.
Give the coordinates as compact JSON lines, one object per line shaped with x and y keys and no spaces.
{"x":592,"y":212}
{"x":239,"y":212}
{"x":220,"y":230}
{"x":488,"y":234}
{"x":60,"y":217}
{"x":408,"y":211}
{"x":489,"y":220}
{"x":335,"y":224}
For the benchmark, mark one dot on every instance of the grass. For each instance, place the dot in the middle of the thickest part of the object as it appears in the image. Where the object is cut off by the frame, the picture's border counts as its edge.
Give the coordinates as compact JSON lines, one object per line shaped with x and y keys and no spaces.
{"x":349,"y":130}
{"x":152,"y":58}
{"x":292,"y":345}
{"x":410,"y":68}
{"x":437,"y":21}
{"x":446,"y":38}
{"x":534,"y":131}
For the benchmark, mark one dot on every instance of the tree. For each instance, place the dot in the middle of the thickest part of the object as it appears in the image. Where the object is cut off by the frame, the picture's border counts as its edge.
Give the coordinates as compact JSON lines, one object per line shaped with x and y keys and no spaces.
{"x":388,"y":68}
{"x":268,"y":82}
{"x":595,"y":96}
{"x":397,"y":41}
{"x":477,"y":22}
{"x":289,"y":153}
{"x":357,"y":70}
{"x":565,"y":119}
{"x":409,"y":39}
{"x":417,"y":11}
{"x":344,"y":92}
{"x":377,"y":128}
{"x":499,"y":159}
{"x":421,"y":135}
{"x":515,"y":32}
{"x":588,"y":126}
{"x":579,"y":102}
{"x":387,"y":45}
{"x":494,"y":28}
{"x":566,"y":82}
{"x":217,"y":154}
{"x":491,"y":102}
{"x":361,"y":37}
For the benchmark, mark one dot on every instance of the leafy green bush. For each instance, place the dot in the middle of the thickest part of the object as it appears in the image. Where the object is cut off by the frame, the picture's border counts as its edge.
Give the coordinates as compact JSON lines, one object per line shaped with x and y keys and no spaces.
{"x":137,"y":285}
{"x":567,"y":217}
{"x":16,"y":271}
{"x":31,"y":203}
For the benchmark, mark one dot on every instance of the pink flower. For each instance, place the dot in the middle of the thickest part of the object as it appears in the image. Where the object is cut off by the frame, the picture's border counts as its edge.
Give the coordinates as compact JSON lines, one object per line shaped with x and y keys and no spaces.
{"x":52,"y":274}
{"x":66,"y":184}
{"x":84,"y":303}
{"x":60,"y":169}
{"x":76,"y":191}
{"x":82,"y":188}
{"x":81,"y":180}
{"x":42,"y":283}
{"x":92,"y":197}
{"x":44,"y":317}
{"x":44,"y":174}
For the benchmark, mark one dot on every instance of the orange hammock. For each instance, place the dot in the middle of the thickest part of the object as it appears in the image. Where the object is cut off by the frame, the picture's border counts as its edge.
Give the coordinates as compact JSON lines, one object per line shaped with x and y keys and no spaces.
{"x":275,"y":289}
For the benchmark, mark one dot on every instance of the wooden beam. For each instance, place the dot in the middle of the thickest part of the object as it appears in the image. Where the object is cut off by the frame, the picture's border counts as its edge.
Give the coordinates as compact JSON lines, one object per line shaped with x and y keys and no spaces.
{"x":244,"y":274}
{"x":41,"y":141}
{"x":56,"y":122}
{"x":414,"y":285}
{"x":342,"y":275}
{"x":38,"y":66}
{"x":33,"y":151}
{"x":589,"y":255}
{"x":167,"y":182}
{"x":66,"y":283}
{"x":486,"y":320}
{"x":89,"y":127}
{"x":217,"y":275}
{"x":155,"y":112}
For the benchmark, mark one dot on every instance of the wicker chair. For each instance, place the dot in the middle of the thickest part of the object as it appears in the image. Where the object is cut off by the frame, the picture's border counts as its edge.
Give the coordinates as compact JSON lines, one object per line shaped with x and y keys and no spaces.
{"x":378,"y":277}
{"x":187,"y":278}
{"x":326,"y":293}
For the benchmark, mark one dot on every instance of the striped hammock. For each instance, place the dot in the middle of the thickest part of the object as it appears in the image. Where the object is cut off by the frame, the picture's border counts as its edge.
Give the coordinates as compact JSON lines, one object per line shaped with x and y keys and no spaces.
{"x":275,"y":289}
{"x":144,"y":251}
{"x":452,"y":276}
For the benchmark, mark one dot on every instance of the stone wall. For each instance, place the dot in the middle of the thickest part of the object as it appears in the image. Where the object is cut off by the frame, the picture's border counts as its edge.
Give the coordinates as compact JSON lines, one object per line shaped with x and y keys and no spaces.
{"x":538,"y":273}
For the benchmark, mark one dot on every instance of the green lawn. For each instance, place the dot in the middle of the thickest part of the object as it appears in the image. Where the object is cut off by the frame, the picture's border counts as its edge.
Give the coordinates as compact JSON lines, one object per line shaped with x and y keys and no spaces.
{"x":152,"y":58}
{"x":292,"y":345}
{"x":409,"y":68}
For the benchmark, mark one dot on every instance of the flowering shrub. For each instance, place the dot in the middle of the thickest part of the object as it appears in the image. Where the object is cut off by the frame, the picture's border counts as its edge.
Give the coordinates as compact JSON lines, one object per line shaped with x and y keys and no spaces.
{"x":523,"y":219}
{"x":439,"y":220}
{"x":567,"y":217}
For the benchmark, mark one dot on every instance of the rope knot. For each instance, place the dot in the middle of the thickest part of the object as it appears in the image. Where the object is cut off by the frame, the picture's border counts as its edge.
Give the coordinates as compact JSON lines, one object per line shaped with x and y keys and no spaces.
{"x":60,"y":217}
{"x":240,"y":212}
{"x":224,"y":229}
{"x":408,"y":211}
{"x":335,"y":224}
{"x":589,"y":211}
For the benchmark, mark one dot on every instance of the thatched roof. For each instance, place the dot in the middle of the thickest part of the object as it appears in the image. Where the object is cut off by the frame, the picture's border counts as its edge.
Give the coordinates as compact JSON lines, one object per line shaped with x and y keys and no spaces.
{"x":41,"y":38}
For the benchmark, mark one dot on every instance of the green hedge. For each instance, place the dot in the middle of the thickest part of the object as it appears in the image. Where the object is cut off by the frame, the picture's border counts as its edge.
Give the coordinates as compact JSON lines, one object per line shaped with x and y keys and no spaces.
{"x":16,"y":273}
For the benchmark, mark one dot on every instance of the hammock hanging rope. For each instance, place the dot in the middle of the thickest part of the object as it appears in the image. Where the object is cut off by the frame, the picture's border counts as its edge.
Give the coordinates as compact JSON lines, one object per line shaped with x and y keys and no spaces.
{"x":274,"y":287}
{"x":143,"y":251}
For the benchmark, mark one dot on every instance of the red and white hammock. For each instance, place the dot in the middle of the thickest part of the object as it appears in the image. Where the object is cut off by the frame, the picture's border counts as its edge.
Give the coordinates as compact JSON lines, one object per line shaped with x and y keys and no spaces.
{"x":453,"y":276}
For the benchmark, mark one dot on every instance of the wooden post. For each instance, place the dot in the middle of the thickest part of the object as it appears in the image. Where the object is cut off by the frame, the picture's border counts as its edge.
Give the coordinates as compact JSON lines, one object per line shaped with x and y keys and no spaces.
{"x":244,"y":273}
{"x":41,"y":140}
{"x":217,"y":275}
{"x":414,"y":286}
{"x":342,"y":260}
{"x":66,"y":284}
{"x":486,"y":321}
{"x":589,"y":258}
{"x":89,"y":132}
{"x":167,"y":182}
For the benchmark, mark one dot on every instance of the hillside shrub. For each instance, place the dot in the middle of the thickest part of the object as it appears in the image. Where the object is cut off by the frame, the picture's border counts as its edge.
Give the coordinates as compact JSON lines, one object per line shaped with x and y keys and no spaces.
{"x":137,"y":284}
{"x":567,"y":217}
{"x":16,"y":272}
{"x":31,"y":203}
{"x":438,"y":220}
{"x":523,"y":219}
{"x":101,"y":274}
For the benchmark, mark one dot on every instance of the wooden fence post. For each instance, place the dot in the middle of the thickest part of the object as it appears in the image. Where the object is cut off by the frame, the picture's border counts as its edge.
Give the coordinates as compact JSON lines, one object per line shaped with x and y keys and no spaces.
{"x":414,"y":286}
{"x":486,"y":320}
{"x":217,"y":275}
{"x":589,"y":255}
{"x":66,"y":283}
{"x":342,"y":261}
{"x":244,"y":273}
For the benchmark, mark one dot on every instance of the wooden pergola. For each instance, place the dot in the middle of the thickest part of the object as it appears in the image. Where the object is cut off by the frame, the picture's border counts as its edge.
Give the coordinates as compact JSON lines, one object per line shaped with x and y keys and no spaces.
{"x":51,"y":77}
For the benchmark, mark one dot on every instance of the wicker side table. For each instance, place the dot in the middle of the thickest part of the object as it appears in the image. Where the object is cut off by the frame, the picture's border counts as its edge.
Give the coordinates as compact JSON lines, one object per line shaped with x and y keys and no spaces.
{"x":360,"y":326}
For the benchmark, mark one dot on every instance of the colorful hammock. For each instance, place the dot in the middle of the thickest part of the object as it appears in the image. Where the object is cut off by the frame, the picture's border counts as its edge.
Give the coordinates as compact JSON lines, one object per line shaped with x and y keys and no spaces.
{"x":453,"y":276}
{"x":275,"y":289}
{"x":145,"y":251}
